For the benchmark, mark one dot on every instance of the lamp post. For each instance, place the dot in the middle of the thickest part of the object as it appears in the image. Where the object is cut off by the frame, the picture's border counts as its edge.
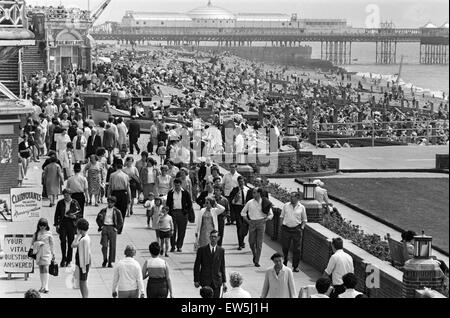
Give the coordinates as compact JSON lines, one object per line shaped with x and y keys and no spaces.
{"x":314,"y":209}
{"x":422,"y":270}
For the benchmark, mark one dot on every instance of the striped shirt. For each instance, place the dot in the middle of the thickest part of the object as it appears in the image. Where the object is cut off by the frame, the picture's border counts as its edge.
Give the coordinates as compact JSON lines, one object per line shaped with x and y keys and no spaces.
{"x":156,"y":268}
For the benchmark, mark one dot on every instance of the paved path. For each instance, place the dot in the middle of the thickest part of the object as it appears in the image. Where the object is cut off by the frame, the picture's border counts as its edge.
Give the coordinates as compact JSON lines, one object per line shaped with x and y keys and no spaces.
{"x":367,"y":224}
{"x":395,"y":157}
{"x":135,"y":232}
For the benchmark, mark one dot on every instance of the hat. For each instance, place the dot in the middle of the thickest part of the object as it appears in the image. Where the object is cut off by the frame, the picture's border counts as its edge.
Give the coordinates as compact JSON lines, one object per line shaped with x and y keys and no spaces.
{"x":318,"y":183}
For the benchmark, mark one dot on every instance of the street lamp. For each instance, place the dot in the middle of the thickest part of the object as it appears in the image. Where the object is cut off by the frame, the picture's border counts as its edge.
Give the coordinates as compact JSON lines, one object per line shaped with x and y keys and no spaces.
{"x":422,"y":246}
{"x":309,"y":191}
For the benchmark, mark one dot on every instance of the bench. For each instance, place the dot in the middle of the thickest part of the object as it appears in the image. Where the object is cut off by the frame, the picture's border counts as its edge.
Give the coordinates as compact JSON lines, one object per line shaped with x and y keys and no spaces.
{"x":397,"y":252}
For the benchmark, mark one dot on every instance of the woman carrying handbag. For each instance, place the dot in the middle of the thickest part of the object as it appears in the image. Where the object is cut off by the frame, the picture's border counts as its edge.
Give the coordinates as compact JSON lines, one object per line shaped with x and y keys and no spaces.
{"x":43,"y":249}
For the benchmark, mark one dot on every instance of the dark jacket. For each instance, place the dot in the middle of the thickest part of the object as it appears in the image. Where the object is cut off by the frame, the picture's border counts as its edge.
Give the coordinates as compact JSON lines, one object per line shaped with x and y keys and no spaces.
{"x":91,"y":148}
{"x":186,"y":203}
{"x":60,"y":212}
{"x":109,"y":139}
{"x":134,"y":129}
{"x":235,"y":191}
{"x":209,"y":269}
{"x":202,"y":172}
{"x":117,"y":219}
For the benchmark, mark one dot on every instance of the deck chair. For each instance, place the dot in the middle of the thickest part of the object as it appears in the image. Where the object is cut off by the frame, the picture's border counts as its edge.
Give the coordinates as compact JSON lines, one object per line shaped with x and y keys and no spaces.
{"x":398,"y":252}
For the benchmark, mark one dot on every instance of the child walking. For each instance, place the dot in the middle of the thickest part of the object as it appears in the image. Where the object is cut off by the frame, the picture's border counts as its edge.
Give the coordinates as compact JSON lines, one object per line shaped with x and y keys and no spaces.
{"x":149,"y":206}
{"x":165,"y":230}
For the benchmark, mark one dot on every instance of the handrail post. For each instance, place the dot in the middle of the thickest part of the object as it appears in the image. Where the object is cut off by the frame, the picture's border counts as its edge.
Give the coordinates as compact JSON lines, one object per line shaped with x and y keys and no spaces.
{"x":373,"y":133}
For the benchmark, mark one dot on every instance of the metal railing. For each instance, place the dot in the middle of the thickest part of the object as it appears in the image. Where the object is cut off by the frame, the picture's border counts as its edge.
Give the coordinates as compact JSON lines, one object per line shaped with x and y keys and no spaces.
{"x":411,"y":132}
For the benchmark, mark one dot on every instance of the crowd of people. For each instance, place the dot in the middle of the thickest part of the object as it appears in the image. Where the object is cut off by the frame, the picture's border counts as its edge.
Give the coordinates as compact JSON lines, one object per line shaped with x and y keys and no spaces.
{"x":94,"y":162}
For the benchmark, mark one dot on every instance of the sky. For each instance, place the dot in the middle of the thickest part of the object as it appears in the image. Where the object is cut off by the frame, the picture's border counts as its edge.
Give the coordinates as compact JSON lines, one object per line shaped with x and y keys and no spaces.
{"x":359,"y":13}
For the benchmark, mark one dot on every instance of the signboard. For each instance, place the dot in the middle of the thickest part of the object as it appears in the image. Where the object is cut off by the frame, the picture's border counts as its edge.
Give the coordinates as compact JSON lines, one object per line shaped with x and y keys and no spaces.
{"x":26,"y":204}
{"x":16,"y":260}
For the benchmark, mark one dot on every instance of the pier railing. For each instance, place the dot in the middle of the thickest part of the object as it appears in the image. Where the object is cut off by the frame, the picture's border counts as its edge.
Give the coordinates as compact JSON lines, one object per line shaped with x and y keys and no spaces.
{"x":425,"y":132}
{"x":13,"y":14}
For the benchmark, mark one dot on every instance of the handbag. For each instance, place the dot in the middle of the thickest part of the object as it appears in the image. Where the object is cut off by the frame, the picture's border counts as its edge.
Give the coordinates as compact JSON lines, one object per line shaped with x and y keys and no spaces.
{"x":53,"y":268}
{"x":31,"y":253}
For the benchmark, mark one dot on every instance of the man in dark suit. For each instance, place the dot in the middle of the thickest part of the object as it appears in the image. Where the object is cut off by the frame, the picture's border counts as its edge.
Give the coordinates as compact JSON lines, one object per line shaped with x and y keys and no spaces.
{"x":209,"y":267}
{"x":66,"y":214}
{"x":181,"y":210}
{"x":239,"y":197}
{"x":94,"y":142}
{"x":134,"y":132}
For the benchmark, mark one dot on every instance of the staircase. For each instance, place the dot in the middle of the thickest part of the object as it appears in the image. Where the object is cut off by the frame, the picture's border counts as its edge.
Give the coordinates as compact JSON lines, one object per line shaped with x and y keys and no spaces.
{"x":32,"y":60}
{"x":9,"y":74}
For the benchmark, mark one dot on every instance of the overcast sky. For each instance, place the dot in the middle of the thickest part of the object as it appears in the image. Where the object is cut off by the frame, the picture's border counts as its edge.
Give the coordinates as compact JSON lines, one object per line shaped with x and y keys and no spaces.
{"x":404,"y":13}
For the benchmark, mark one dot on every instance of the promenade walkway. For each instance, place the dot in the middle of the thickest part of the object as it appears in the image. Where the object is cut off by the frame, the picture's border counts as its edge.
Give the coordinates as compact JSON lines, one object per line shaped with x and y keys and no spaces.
{"x":135,"y":232}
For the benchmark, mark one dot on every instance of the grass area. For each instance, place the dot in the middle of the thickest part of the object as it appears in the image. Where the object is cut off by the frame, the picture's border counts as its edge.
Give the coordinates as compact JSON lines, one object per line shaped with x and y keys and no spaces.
{"x":412,"y":204}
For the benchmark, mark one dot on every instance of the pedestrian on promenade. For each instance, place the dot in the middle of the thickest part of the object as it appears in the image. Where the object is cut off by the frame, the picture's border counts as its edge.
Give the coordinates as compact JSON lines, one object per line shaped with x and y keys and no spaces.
{"x":164,"y":183}
{"x":223,"y":201}
{"x":53,"y":179}
{"x":110,"y":222}
{"x":208,"y":221}
{"x":164,"y":228}
{"x":135,"y":181}
{"x":340,"y":263}
{"x":77,"y":185}
{"x":43,"y":248}
{"x":134,"y":134}
{"x":156,"y":269}
{"x":79,"y":145}
{"x":123,"y":132}
{"x":67,"y":160}
{"x":236,"y":291}
{"x":294,"y":221}
{"x":323,"y":288}
{"x":67,"y":213}
{"x":94,"y":173}
{"x":238,"y":199}
{"x":207,"y":193}
{"x":321,"y":195}
{"x":279,"y":280}
{"x":149,"y":178}
{"x":180,"y":208}
{"x":93,"y":144}
{"x":350,"y":282}
{"x":127,"y":277}
{"x":82,"y":243}
{"x":256,"y":214}
{"x":109,"y":141}
{"x":229,"y":182}
{"x":119,"y":187}
{"x":209,"y":267}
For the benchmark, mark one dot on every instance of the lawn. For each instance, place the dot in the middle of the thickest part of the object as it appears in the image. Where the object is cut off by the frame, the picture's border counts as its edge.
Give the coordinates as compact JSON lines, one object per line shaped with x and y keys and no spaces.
{"x":411,"y":204}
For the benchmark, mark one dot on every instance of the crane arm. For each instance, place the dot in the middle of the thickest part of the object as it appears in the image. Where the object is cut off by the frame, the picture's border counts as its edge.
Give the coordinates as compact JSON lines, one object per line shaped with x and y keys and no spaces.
{"x":99,"y":11}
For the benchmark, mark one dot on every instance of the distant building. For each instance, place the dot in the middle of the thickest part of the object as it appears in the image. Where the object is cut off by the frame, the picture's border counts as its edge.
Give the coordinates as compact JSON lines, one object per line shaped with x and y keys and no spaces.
{"x":211,"y":16}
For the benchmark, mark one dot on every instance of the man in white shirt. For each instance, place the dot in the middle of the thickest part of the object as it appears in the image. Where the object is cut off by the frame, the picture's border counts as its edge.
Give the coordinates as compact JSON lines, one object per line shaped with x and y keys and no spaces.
{"x":230,"y":180}
{"x":256,"y":216}
{"x":237,"y":291}
{"x":340,"y":263}
{"x":127,"y":278}
{"x":294,"y":221}
{"x":350,"y":282}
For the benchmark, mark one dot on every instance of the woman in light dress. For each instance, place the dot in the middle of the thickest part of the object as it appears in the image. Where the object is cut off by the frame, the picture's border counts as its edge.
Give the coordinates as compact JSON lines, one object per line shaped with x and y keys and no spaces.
{"x":207,"y":221}
{"x":164,"y":181}
{"x":42,"y":245}
{"x":94,"y":174}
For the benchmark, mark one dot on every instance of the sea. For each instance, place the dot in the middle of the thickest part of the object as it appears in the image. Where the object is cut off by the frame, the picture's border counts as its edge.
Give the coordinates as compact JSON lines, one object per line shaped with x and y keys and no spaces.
{"x":429,"y":79}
